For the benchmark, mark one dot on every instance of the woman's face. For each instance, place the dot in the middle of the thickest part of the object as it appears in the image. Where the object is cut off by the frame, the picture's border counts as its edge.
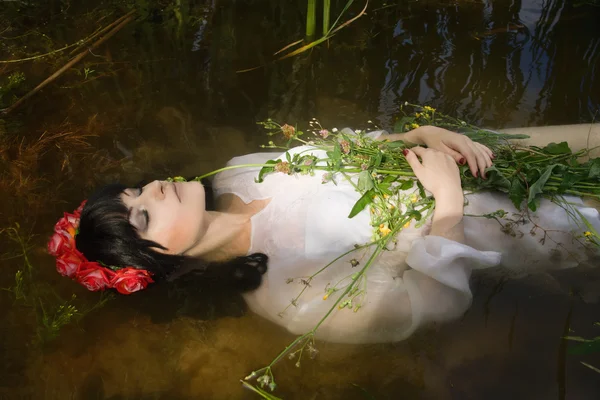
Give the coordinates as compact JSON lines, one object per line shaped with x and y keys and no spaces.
{"x":171,"y":214}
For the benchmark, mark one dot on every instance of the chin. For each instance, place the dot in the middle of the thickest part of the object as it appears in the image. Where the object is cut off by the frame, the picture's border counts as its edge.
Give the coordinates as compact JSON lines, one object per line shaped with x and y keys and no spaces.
{"x":196,"y":191}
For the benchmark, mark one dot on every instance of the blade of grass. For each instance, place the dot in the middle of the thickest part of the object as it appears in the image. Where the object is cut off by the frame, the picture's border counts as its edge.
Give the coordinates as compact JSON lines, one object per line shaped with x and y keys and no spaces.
{"x":326,"y":13}
{"x":311,"y":19}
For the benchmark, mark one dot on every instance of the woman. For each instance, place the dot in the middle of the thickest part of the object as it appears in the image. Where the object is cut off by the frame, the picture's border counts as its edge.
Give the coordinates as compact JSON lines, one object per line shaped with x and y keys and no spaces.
{"x":301,"y":224}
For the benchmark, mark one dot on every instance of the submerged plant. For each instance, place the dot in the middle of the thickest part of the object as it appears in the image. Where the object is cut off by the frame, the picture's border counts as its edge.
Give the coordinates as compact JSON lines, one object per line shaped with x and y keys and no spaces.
{"x":51,"y":312}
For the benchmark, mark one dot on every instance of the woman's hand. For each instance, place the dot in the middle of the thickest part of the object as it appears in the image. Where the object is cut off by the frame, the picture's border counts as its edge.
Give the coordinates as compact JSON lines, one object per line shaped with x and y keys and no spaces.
{"x":460,"y":147}
{"x":439,"y":174}
{"x":436,"y":171}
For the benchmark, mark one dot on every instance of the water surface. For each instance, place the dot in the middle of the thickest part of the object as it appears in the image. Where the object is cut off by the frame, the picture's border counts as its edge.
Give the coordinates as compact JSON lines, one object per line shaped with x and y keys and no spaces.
{"x":163,"y":98}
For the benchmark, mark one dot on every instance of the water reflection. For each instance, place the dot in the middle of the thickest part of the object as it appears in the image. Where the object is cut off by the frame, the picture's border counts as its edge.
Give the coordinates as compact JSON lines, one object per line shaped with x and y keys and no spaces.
{"x":165,"y":99}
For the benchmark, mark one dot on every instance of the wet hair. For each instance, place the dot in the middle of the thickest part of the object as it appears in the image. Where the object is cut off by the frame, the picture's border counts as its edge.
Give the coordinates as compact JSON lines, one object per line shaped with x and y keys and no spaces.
{"x":106,"y":235}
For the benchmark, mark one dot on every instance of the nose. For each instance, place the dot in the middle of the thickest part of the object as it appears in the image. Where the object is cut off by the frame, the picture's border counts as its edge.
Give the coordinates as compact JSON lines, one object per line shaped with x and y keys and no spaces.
{"x":156,"y":189}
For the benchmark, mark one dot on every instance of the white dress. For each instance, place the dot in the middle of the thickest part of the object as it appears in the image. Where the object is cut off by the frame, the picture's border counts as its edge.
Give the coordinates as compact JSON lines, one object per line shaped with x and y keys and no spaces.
{"x":424,"y":279}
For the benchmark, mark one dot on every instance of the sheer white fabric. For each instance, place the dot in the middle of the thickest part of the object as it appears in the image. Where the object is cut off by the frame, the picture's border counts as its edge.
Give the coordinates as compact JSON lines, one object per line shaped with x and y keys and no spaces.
{"x":424,"y":279}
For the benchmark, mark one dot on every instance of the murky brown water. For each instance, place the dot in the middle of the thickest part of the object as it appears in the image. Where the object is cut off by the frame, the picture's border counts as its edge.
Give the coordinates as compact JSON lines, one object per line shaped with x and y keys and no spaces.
{"x":163,"y":98}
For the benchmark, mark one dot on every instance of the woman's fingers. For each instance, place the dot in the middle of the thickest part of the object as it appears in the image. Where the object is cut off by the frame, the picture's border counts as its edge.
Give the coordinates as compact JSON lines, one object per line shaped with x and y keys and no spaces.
{"x":413,"y":161}
{"x":486,"y":150}
{"x":481,"y":161}
{"x":477,"y":156}
{"x":487,"y":153}
{"x":454,"y":154}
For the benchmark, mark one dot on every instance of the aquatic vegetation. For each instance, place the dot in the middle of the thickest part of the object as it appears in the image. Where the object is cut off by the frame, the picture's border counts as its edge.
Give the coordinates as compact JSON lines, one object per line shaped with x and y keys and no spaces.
{"x":13,"y":81}
{"x":328,"y":32}
{"x":34,"y":294}
{"x":585,"y":346}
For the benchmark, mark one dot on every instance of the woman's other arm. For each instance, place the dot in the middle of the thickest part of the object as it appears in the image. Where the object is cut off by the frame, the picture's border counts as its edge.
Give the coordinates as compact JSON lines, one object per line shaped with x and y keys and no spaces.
{"x":439,"y":174}
{"x":460,"y":147}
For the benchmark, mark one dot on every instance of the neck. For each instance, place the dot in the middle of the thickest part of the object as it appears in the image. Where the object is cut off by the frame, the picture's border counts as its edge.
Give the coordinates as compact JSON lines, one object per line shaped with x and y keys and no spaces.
{"x":227,"y":236}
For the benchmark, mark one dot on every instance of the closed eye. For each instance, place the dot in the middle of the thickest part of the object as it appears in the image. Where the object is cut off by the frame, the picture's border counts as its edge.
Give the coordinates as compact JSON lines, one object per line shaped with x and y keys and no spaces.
{"x":146,"y":218}
{"x":145,"y":215}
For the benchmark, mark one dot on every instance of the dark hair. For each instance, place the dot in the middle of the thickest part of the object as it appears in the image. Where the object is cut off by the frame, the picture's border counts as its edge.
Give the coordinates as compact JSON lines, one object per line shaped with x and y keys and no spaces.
{"x":105,"y":235}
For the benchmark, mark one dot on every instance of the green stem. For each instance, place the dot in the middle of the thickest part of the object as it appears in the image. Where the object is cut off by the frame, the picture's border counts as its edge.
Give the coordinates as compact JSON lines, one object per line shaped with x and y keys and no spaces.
{"x":228,"y":168}
{"x":311,"y":13}
{"x":326,"y":16}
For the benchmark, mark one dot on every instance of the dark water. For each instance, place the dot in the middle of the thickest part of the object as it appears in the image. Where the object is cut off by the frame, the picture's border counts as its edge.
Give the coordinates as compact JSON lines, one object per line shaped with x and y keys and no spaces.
{"x":163,"y":98}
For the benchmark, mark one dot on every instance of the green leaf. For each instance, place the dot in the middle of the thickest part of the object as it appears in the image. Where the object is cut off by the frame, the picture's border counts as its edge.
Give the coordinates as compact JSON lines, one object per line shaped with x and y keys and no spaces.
{"x":557,"y":148}
{"x":399,"y":125}
{"x":568,"y":180}
{"x":365,"y":200}
{"x":288,"y":157}
{"x":517,"y":192}
{"x":592,"y":346}
{"x":415,"y":214}
{"x":384,"y":188}
{"x":390,"y":179}
{"x":395,"y":144}
{"x":365,"y":181}
{"x":376,"y":160}
{"x":407,"y":184}
{"x":495,"y":180}
{"x":594,"y":168}
{"x":538,"y":187}
{"x":335,"y":155}
{"x":265,"y":170}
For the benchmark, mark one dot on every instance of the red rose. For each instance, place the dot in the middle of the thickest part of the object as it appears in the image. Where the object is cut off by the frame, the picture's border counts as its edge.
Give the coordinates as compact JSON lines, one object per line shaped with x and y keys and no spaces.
{"x":68,"y":263}
{"x":67,"y":227}
{"x":77,"y":212}
{"x":129,"y":280}
{"x":55,"y":244}
{"x":72,"y":219}
{"x":93,"y":276}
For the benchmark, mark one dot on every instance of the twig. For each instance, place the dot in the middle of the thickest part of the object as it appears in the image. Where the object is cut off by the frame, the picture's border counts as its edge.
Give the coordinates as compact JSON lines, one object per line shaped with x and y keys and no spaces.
{"x":79,"y":43}
{"x":68,"y":65}
{"x":106,"y":28}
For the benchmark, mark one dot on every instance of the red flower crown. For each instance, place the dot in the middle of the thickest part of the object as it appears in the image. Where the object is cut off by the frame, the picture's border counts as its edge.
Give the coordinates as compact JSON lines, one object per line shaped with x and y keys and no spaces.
{"x":92,"y":275}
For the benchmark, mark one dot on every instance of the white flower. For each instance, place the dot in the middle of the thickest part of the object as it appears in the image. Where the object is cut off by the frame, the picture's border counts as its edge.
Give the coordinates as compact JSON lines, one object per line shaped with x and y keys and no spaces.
{"x":334,"y":130}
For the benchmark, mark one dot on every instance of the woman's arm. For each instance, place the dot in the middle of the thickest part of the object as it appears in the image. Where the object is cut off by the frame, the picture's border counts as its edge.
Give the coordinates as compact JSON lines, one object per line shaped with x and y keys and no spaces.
{"x":439,"y":174}
{"x":461,"y":148}
{"x":447,"y":217}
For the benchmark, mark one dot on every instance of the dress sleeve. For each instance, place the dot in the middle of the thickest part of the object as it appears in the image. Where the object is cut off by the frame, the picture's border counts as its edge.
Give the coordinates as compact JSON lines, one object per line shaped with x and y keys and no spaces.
{"x":438,"y":281}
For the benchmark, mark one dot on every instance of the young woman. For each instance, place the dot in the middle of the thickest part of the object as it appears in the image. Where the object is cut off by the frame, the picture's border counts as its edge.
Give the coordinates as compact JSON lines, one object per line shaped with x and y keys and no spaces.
{"x":301,"y":224}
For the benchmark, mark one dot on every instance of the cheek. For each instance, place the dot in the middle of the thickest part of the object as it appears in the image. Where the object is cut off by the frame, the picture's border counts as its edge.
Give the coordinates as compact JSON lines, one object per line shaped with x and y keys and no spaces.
{"x":181,"y":234}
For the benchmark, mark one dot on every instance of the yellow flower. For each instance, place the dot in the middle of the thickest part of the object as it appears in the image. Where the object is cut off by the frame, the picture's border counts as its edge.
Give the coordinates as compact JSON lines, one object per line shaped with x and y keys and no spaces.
{"x":413,"y":198}
{"x":385,"y":196}
{"x":427,"y":108}
{"x":587,"y":233}
{"x":384,"y":230}
{"x":417,"y":115}
{"x":414,"y":126}
{"x":406,"y":225}
{"x":326,"y":296}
